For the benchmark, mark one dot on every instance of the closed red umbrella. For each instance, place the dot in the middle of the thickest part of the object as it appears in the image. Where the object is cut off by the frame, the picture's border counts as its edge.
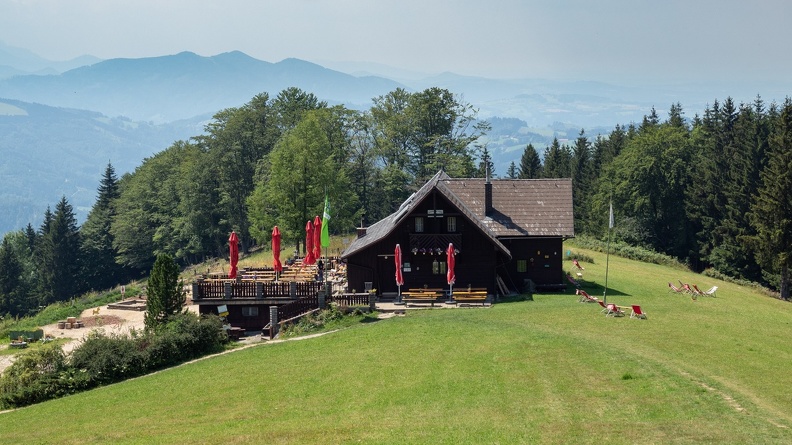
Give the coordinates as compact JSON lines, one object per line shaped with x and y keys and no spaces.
{"x":309,"y":249}
{"x":451,"y":263}
{"x":276,"y":241}
{"x":317,"y":237}
{"x":397,"y":258}
{"x":233,"y":257}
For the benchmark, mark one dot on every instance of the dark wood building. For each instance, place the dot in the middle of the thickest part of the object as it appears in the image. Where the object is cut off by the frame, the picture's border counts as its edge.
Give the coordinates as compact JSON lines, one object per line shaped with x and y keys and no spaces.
{"x":507,"y":230}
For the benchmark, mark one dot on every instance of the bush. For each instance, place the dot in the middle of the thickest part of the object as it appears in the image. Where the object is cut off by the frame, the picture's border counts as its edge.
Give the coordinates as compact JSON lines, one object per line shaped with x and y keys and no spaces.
{"x":101,"y":359}
{"x":108,"y":359}
{"x":34,"y":377}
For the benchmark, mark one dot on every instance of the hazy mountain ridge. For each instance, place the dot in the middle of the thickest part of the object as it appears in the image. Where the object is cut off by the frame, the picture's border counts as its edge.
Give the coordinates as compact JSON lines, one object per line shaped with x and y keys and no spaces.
{"x":51,"y":152}
{"x":167,"y":88}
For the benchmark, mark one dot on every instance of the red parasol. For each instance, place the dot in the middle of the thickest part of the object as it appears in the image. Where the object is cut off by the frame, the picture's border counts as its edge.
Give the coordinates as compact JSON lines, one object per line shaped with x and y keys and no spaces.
{"x":451,"y":262}
{"x":309,"y":249}
{"x":276,"y":240}
{"x":317,"y":237}
{"x":398,"y":259}
{"x":233,"y":257}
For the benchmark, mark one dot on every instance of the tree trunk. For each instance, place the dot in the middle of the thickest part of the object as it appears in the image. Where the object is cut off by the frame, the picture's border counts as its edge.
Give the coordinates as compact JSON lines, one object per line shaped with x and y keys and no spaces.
{"x":784,"y":282}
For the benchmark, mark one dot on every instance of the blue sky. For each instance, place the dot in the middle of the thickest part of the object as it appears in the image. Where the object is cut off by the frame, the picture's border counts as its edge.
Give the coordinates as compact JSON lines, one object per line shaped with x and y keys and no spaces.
{"x":610,"y":40}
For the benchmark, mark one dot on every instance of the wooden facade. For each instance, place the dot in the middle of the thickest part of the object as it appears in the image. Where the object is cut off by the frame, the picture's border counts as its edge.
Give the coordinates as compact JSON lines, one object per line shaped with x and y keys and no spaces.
{"x":507,"y":230}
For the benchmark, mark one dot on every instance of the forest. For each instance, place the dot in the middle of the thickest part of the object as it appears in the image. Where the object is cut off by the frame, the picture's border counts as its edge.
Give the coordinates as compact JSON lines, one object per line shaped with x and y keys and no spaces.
{"x":711,"y":190}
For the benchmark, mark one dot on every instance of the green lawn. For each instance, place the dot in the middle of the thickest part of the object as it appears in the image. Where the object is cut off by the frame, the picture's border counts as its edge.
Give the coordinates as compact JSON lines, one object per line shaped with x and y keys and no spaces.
{"x":550,"y":370}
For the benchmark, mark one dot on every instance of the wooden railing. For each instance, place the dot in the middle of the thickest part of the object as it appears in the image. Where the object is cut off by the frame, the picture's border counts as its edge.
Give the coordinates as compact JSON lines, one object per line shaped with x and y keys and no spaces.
{"x":298,"y":307}
{"x":358,"y":299}
{"x":429,"y":243}
{"x":216,"y":289}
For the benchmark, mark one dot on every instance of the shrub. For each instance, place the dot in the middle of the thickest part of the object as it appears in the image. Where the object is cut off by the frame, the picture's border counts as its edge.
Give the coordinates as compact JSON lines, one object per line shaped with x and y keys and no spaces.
{"x":33,"y":377}
{"x":108,"y":359}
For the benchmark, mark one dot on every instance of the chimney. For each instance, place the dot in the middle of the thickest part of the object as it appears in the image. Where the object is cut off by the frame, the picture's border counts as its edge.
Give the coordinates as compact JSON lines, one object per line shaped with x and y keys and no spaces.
{"x":361,"y":232}
{"x":487,"y":196}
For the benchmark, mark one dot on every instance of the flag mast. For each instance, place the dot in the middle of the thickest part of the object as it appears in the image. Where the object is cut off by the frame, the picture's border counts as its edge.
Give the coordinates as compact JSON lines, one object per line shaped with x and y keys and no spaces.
{"x":607,"y":256}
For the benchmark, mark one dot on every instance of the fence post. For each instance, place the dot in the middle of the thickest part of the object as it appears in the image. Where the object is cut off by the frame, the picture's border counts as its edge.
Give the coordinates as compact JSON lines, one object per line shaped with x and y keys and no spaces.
{"x":227,"y":290}
{"x":293,"y":289}
{"x":322,"y":294}
{"x":196,"y":292}
{"x":259,"y":291}
{"x":273,"y":321}
{"x":372,"y":301}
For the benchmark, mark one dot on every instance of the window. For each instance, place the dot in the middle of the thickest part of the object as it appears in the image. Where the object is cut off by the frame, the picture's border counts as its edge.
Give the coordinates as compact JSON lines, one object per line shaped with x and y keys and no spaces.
{"x":522,"y":266}
{"x":439,"y":267}
{"x":249,"y":311}
{"x":419,"y":224}
{"x":451,"y":224}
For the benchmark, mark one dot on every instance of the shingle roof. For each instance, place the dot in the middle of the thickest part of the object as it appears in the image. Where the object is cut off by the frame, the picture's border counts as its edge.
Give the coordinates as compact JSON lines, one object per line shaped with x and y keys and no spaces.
{"x":521,"y":207}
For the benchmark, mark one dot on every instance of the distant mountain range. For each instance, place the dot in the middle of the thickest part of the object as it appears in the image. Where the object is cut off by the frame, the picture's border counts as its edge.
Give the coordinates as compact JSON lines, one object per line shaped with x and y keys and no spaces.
{"x":61,"y":122}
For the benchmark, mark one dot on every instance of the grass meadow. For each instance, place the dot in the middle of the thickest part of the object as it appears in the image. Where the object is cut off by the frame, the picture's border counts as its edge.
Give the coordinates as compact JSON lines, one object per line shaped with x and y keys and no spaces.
{"x":546,"y":371}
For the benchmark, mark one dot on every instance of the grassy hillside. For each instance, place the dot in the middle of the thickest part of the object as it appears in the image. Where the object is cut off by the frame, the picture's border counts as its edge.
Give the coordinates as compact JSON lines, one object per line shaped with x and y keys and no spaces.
{"x":550,"y":370}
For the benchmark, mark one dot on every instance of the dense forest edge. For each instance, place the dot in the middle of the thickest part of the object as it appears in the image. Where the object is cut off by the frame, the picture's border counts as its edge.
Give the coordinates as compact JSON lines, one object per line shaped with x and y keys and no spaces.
{"x":710,"y":191}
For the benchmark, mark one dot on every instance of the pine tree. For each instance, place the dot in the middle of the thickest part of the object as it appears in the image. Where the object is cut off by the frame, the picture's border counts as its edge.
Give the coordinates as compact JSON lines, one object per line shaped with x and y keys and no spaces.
{"x":530,"y":164}
{"x":581,"y":180}
{"x":512,"y":171}
{"x":59,"y":256}
{"x":10,"y":283}
{"x":557,"y":161}
{"x":771,"y":211}
{"x":100,"y":270}
{"x":165,"y":296}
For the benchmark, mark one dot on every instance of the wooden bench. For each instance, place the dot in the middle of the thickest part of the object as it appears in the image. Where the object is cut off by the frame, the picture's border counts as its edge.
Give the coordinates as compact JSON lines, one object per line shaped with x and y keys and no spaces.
{"x":470,"y":295}
{"x":422,"y":295}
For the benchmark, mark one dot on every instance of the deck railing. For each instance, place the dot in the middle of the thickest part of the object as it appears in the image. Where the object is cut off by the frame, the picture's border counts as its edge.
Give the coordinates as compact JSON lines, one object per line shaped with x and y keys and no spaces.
{"x":231,"y":289}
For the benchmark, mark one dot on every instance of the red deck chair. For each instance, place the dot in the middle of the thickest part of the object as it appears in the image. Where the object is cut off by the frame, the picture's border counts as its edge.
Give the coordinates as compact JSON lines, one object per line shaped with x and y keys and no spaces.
{"x":614,"y":311}
{"x":577,"y":264}
{"x":637,"y":312}
{"x":585,"y":297}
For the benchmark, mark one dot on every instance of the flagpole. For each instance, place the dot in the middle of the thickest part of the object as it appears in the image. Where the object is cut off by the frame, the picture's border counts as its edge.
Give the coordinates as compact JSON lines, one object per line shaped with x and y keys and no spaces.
{"x":607,"y":256}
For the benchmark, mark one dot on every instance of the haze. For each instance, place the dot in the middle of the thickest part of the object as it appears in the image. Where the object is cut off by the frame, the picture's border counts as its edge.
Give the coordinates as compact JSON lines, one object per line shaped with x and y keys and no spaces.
{"x":611,"y":40}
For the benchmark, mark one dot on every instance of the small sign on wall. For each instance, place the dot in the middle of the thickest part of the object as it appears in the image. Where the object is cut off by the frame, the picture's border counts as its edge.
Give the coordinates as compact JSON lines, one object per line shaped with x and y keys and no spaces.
{"x":222,"y":310}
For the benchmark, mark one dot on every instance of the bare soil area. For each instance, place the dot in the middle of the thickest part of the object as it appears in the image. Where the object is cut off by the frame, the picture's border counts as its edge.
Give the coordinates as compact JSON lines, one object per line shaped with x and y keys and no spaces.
{"x":111,"y":321}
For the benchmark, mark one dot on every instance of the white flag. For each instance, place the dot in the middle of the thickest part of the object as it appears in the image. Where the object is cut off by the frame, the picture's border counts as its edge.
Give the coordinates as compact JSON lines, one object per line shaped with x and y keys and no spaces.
{"x":610,"y":221}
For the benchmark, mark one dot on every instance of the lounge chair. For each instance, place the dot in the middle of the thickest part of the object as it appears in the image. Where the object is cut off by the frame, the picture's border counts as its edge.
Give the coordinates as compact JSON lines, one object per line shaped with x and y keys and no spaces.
{"x":604,"y":308}
{"x":577,"y":264}
{"x":585,"y":297}
{"x":674,"y":289}
{"x":637,"y":312}
{"x":688,"y":290}
{"x":708,"y":293}
{"x":614,"y":310}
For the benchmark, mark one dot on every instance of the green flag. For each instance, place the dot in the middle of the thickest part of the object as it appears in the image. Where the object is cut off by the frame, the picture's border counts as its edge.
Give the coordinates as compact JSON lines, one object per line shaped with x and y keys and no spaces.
{"x":325,"y":223}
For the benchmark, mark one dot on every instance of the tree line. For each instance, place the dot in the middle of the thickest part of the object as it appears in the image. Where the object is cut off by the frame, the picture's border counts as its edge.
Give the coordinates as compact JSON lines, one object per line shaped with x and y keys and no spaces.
{"x":711,"y":190}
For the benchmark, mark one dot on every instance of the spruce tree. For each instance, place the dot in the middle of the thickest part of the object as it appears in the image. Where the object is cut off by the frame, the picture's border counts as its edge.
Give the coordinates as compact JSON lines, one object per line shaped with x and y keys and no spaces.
{"x":530,"y":164}
{"x":10,"y":283}
{"x":59,"y":256}
{"x":100,"y":270}
{"x":771,"y":211}
{"x":165,"y":297}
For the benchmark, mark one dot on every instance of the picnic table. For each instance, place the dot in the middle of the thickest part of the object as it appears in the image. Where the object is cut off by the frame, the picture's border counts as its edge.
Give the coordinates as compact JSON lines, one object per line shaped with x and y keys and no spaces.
{"x":470,"y":295}
{"x":422,"y":295}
